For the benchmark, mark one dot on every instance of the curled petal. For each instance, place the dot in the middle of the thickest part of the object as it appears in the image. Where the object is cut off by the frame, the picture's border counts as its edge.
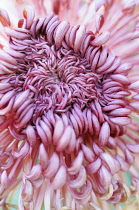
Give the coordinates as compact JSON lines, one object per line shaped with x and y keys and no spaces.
{"x":60,"y":178}
{"x":65,"y":139}
{"x":121,"y":79}
{"x":92,"y":168}
{"x":104,"y":134}
{"x":60,"y":32}
{"x":80,"y":180}
{"x":124,"y":68}
{"x":23,"y":151}
{"x":7,"y":58}
{"x":16,"y":34}
{"x":79,"y":37}
{"x":88,"y":153}
{"x":76,"y":164}
{"x":47,"y":130}
{"x":83,"y":195}
{"x":101,"y":39}
{"x":120,"y":112}
{"x":104,"y":177}
{"x":31,"y":135}
{"x":58,"y":131}
{"x":43,"y":156}
{"x":72,"y":143}
{"x":6,"y":98}
{"x":35,"y":172}
{"x":21,"y":98}
{"x":26,"y":118}
{"x":121,"y":120}
{"x":52,"y":167}
{"x":113,"y":164}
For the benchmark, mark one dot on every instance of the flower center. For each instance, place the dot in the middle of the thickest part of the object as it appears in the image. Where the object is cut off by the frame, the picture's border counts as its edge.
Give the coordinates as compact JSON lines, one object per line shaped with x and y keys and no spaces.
{"x":61,"y":74}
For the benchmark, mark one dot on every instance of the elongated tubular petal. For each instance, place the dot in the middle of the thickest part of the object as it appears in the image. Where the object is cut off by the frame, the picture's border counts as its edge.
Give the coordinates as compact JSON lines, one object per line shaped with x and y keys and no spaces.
{"x":35,"y":172}
{"x":88,"y":153}
{"x":60,"y":178}
{"x":76,"y":164}
{"x":43,"y":156}
{"x":52,"y":167}
{"x":29,"y":14}
{"x":104,"y":177}
{"x":83,"y":195}
{"x":58,"y":131}
{"x":20,"y":98}
{"x":92,"y":168}
{"x":60,"y":32}
{"x":120,"y":112}
{"x":121,"y":78}
{"x":80,"y":180}
{"x":4,"y":86}
{"x":104,"y":134}
{"x":7,"y":58}
{"x":4,"y":70}
{"x":16,"y":34}
{"x":79,"y":37}
{"x":23,"y":151}
{"x":121,"y":120}
{"x":42,"y":134}
{"x":4,"y":17}
{"x":26,"y":118}
{"x":124,"y":68}
{"x":31,"y":135}
{"x":113,"y":164}
{"x":14,"y":53}
{"x":6,"y":98}
{"x":133,"y":148}
{"x":65,"y":139}
{"x":7,"y":108}
{"x":72,"y":143}
{"x":47,"y":130}
{"x":101,"y":39}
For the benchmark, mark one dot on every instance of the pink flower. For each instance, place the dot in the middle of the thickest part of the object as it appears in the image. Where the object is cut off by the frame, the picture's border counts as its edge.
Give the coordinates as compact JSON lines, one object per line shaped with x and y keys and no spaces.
{"x":69,"y":104}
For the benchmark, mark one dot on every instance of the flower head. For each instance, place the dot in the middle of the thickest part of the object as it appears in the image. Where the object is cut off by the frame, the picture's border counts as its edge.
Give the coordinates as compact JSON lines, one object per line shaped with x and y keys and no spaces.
{"x":68,"y":104}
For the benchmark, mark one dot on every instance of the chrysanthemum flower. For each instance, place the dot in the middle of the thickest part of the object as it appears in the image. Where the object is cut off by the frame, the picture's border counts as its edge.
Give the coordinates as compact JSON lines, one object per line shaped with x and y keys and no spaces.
{"x":69,"y":103}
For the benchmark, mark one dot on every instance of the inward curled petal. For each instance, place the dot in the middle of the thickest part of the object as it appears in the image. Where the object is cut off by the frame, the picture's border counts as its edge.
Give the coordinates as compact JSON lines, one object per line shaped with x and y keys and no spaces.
{"x":60,"y":178}
{"x":80,"y":180}
{"x":76,"y":164}
{"x":35,"y":172}
{"x":52,"y":167}
{"x":121,"y":120}
{"x":101,"y":39}
{"x":104,"y":134}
